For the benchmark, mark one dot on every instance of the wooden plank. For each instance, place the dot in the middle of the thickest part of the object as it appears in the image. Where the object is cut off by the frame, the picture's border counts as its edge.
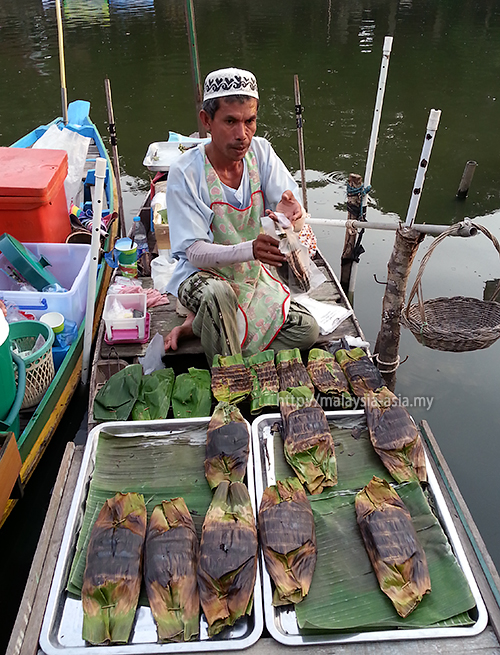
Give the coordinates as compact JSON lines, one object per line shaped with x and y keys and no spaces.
{"x":26,"y":631}
{"x":482,"y":565}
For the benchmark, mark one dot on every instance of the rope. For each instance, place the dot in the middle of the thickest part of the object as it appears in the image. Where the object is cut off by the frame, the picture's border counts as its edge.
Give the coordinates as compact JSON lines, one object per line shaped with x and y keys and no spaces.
{"x":394,"y":364}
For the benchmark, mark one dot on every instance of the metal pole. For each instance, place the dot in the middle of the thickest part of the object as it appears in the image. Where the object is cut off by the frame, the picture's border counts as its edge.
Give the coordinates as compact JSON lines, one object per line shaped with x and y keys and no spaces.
{"x":64,"y":93}
{"x":464,"y":229}
{"x":432,"y":125}
{"x":195,"y":63}
{"x":377,"y":113}
{"x":300,"y":138}
{"x":466,"y":180}
{"x":114,"y":150}
{"x":100,"y":174}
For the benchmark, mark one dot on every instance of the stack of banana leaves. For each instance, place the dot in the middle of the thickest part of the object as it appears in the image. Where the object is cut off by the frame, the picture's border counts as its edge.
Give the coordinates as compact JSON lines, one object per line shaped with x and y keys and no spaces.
{"x":228,"y":557}
{"x":291,"y":370}
{"x":230,"y":378}
{"x":265,"y":384}
{"x":170,"y":563}
{"x":392,"y":545}
{"x":288,"y":540}
{"x":228,"y":446}
{"x":393,"y":432}
{"x":327,"y":375}
{"x":113,"y":572}
{"x":308,"y":443}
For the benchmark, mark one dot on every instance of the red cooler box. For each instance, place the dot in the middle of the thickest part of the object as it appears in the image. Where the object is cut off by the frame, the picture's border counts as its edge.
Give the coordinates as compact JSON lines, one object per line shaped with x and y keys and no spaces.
{"x":32,"y":198}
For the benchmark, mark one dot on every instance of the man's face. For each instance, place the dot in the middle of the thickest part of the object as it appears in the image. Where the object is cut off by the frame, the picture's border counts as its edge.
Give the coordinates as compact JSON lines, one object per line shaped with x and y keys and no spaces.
{"x":232,"y":128}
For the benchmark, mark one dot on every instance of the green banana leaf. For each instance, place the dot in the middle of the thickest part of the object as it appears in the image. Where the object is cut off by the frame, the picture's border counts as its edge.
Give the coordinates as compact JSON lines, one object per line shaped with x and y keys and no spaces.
{"x":172,"y":465}
{"x":115,"y":400}
{"x":155,"y":392}
{"x":191,"y":396}
{"x":344,"y":593}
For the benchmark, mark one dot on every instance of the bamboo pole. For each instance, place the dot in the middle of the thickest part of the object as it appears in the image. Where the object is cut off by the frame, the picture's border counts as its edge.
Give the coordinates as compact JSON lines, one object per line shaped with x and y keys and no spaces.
{"x":114,"y":150}
{"x":300,"y":138}
{"x":195,"y":63}
{"x":100,"y":175}
{"x":62,"y":71}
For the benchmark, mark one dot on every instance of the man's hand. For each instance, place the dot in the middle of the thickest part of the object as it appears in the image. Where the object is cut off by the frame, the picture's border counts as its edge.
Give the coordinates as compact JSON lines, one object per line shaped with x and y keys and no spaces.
{"x":289,"y":206}
{"x":183,"y":331}
{"x":266,"y":250}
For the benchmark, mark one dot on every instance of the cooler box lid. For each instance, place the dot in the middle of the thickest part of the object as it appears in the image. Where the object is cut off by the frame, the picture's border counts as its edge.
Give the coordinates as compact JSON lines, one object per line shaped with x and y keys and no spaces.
{"x":31,"y":173}
{"x":25,"y":263}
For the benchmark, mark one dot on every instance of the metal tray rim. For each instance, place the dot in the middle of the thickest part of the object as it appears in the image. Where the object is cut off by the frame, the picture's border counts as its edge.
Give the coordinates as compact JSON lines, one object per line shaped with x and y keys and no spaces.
{"x":387,"y":635}
{"x":58,"y":581}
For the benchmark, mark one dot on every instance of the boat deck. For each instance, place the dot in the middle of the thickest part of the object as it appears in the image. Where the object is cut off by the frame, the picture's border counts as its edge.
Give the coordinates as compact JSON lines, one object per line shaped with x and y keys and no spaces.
{"x":24,"y":638}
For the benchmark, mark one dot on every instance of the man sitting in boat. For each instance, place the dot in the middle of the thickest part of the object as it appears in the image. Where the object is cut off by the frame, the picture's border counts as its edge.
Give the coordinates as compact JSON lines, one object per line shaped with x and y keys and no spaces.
{"x":216,"y":196}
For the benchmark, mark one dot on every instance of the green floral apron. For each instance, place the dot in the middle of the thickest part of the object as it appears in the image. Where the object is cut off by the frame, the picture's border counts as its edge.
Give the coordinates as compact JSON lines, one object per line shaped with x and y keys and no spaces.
{"x":263,"y":301}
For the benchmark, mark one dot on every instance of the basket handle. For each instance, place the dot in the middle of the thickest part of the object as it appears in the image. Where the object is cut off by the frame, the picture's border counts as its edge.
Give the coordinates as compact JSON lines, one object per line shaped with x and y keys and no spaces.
{"x":417,"y":285}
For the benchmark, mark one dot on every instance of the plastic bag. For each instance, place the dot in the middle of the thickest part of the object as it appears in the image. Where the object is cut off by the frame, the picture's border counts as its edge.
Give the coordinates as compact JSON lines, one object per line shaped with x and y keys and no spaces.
{"x":298,"y":272}
{"x":161,"y":272}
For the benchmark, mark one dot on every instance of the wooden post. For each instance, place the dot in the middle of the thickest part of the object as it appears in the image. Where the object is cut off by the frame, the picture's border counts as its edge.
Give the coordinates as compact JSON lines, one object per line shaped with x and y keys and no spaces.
{"x":354,"y":210}
{"x":466,"y":180}
{"x":398,"y":269}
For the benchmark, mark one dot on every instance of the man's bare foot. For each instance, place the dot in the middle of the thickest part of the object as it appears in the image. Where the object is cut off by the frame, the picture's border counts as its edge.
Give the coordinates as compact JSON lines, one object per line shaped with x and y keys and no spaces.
{"x":180,"y":332}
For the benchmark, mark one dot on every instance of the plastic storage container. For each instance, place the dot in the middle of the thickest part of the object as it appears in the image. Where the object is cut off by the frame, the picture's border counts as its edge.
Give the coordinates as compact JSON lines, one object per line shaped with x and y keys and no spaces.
{"x":70,"y":264}
{"x":125,"y":329}
{"x":32,"y":197}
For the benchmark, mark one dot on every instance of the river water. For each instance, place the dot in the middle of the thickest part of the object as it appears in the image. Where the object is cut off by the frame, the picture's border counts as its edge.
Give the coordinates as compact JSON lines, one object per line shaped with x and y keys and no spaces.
{"x":445,"y":55}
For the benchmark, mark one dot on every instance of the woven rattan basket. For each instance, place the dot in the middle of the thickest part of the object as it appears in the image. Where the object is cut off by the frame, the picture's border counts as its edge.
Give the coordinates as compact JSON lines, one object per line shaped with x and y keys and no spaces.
{"x":456,"y":324}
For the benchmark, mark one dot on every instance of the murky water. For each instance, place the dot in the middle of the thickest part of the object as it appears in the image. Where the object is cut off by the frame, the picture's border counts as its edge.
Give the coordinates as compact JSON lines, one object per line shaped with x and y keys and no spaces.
{"x":446,"y":55}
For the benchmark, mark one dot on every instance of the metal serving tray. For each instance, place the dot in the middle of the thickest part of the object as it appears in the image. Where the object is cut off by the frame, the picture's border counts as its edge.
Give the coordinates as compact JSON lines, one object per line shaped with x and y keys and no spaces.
{"x":61,"y":632}
{"x":281,"y":622}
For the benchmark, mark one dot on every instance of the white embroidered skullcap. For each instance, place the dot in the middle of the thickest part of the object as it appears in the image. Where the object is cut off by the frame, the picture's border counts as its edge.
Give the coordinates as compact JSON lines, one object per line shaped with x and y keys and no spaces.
{"x":230,"y":82}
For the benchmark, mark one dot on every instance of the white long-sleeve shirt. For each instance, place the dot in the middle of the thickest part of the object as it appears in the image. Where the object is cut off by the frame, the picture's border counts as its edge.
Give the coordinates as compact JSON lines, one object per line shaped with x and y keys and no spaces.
{"x":188,"y":202}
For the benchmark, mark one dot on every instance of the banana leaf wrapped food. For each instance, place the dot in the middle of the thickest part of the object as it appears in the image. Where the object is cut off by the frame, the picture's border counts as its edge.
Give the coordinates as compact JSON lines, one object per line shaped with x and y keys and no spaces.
{"x":327,"y":375}
{"x":230,"y":378}
{"x":191,"y":396}
{"x":291,"y":370}
{"x":265,"y":384}
{"x":228,"y":445}
{"x":288,"y":540}
{"x":228,"y":557}
{"x":394,"y":436}
{"x":392,"y":545}
{"x":155,"y":391}
{"x":309,"y":447}
{"x":360,"y":371}
{"x":113,"y":573}
{"x":170,"y":562}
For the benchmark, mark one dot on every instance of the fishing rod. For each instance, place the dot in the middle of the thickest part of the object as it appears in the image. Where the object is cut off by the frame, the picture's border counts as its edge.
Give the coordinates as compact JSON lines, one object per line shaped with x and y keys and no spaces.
{"x":114,"y":150}
{"x":64,"y":92}
{"x":300,"y":138}
{"x":379,"y":101}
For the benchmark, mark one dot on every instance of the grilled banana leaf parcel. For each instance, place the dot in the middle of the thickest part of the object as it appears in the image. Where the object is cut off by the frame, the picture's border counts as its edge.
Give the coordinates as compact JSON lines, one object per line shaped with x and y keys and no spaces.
{"x":309,"y":447}
{"x":392,"y":545}
{"x":265,"y":384}
{"x":112,"y":578}
{"x":230,"y":378}
{"x":327,"y":375}
{"x":394,"y":436}
{"x":360,"y":371}
{"x":288,"y":540}
{"x":170,"y":561}
{"x":227,"y":447}
{"x":291,"y":370}
{"x":228,"y":557}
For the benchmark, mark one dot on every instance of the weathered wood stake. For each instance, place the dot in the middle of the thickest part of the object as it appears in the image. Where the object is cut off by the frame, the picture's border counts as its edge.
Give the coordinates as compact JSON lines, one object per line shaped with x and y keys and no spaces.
{"x":466,"y":180}
{"x":398,"y":269}
{"x":354,"y":212}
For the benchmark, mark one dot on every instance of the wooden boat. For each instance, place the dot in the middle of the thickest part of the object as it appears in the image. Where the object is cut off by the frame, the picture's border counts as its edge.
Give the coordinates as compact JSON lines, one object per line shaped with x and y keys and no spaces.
{"x":38,"y":426}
